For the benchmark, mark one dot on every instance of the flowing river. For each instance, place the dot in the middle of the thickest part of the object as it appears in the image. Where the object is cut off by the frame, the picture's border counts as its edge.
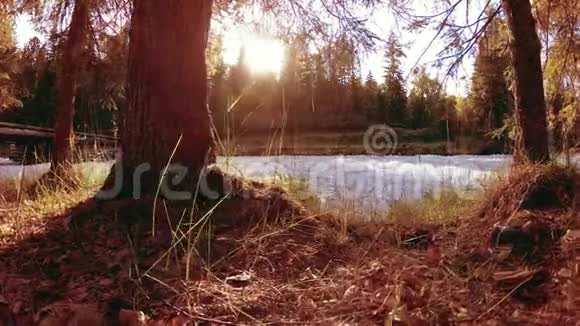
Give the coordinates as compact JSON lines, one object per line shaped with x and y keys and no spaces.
{"x":369,"y":179}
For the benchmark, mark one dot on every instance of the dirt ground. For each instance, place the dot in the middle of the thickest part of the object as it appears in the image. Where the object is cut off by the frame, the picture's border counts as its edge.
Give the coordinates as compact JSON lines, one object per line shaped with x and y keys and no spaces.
{"x":266,"y":260}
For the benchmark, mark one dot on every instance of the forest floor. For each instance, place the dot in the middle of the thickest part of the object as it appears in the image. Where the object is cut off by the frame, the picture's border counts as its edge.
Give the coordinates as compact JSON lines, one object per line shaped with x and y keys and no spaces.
{"x":508,"y":257}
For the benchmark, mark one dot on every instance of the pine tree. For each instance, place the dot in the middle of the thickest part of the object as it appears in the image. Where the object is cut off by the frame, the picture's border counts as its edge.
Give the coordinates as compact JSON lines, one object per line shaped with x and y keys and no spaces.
{"x":217,"y":71}
{"x":395,"y":92}
{"x":356,"y":92}
{"x":427,"y":102}
{"x":530,"y":103}
{"x":75,"y":29}
{"x":240,"y":74}
{"x":307,"y":82}
{"x":558,"y":28}
{"x":489,"y":99}
{"x":167,"y":114}
{"x":8,"y":58}
{"x":370,"y":101}
{"x":68,"y":74}
{"x":321,"y":83}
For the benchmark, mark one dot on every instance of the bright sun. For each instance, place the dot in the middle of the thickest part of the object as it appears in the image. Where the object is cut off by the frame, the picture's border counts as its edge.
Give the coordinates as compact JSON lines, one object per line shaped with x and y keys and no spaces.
{"x":263,"y":55}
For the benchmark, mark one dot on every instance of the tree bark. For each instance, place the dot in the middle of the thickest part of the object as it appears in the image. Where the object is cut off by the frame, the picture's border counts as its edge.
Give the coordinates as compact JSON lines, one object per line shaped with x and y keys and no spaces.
{"x":71,"y":64}
{"x":167,"y":119}
{"x":530,"y":104}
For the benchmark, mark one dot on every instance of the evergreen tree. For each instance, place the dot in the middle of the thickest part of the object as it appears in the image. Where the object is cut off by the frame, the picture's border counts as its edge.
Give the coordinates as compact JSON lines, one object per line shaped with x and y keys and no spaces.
{"x":356,"y":92}
{"x":427,"y":102}
{"x":167,"y":114}
{"x":307,"y":81}
{"x":530,"y":104}
{"x":8,"y":59}
{"x":74,"y":51}
{"x":561,"y":92}
{"x":395,"y":92}
{"x":371,"y":97}
{"x":489,"y":99}
{"x":321,"y":83}
{"x":240,"y":74}
{"x":558,"y":26}
{"x":39,"y":108}
{"x":218,"y":93}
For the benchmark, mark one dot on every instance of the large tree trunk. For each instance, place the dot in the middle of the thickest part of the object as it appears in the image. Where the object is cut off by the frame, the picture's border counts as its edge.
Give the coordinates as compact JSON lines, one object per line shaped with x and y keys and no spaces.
{"x":71,"y":64}
{"x":530,"y":105}
{"x":167,"y":119}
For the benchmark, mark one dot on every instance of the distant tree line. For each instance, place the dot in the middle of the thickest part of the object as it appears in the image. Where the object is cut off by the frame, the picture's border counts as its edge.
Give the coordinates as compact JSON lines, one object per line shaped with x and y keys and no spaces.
{"x":100,"y":92}
{"x":318,"y":89}
{"x":324,"y":89}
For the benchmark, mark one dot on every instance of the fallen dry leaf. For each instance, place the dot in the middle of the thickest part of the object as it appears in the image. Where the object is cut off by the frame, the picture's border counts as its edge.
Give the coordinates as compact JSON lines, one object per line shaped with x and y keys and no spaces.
{"x":176,"y":321}
{"x":239,"y":280}
{"x":64,"y":314}
{"x":132,"y":318}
